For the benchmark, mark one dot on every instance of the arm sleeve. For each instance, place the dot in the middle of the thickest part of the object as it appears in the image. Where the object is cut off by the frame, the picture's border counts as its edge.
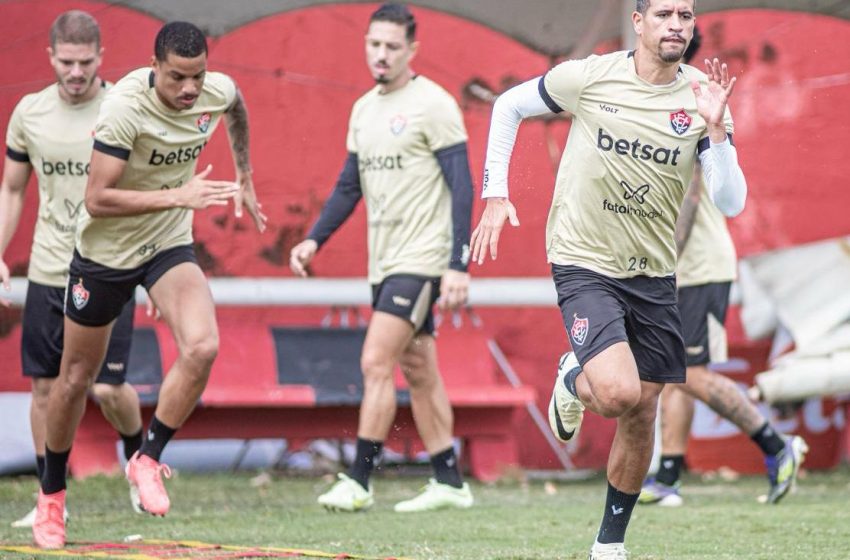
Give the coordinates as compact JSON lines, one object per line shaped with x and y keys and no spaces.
{"x":116,"y":128}
{"x":724,"y":179}
{"x":341,"y":203}
{"x":454,"y":162}
{"x":511,"y":107}
{"x":16,"y":140}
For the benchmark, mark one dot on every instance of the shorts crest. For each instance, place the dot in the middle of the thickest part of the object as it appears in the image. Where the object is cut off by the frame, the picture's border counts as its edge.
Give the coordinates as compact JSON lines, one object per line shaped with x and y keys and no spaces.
{"x":578,"y":332}
{"x":79,"y":295}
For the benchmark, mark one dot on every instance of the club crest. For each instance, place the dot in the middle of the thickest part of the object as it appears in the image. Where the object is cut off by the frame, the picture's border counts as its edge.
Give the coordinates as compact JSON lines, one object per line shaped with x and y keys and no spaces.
{"x":204,"y":122}
{"x":397,"y":124}
{"x":79,"y":295}
{"x":578,"y":332}
{"x":680,"y":121}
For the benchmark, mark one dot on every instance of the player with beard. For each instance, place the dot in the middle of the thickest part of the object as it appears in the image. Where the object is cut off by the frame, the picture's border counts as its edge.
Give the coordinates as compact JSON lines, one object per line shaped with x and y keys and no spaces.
{"x":407,"y":156}
{"x":140,"y":197}
{"x":641,"y":120}
{"x":50,"y":132}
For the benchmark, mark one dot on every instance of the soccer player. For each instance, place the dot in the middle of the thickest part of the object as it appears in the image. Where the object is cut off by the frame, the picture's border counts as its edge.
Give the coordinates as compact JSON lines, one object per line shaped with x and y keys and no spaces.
{"x":407,"y":156}
{"x":140,"y":198}
{"x":641,"y":119}
{"x":704,"y":273}
{"x":50,"y":132}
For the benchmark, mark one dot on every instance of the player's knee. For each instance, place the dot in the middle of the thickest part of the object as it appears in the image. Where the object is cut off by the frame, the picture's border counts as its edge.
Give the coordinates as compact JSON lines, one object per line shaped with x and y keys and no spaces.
{"x":616,"y":400}
{"x":202,"y":352}
{"x":107,"y":395}
{"x":375,"y":367}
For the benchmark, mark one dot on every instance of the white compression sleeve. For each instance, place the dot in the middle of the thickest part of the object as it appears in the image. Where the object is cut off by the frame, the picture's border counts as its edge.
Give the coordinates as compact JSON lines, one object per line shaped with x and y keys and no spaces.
{"x":724,"y":179}
{"x":511,"y":107}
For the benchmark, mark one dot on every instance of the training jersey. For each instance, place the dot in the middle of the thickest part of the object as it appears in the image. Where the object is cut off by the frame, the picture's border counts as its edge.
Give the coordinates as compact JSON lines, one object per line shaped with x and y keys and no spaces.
{"x":709,"y":255}
{"x":55,"y":138}
{"x":408,"y":203}
{"x":628,"y":160}
{"x":161,"y":147}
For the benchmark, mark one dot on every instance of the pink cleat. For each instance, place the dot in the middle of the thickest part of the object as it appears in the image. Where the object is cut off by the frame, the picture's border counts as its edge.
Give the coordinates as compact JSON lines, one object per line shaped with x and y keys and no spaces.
{"x":48,"y":529}
{"x":145,"y":477}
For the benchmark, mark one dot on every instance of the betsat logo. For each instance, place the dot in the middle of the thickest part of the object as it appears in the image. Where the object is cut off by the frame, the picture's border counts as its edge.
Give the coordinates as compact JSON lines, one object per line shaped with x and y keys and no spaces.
{"x":637,"y":150}
{"x":180,"y":155}
{"x":70,"y":167}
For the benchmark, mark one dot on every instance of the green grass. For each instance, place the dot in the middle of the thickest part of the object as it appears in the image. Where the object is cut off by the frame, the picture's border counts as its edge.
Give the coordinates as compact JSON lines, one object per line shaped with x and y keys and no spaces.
{"x":720,"y":520}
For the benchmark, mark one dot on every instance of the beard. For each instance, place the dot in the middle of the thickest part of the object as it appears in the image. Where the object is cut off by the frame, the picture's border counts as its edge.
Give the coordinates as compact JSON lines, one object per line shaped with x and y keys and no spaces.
{"x":86,"y":85}
{"x":382,"y":79}
{"x":670,"y":56}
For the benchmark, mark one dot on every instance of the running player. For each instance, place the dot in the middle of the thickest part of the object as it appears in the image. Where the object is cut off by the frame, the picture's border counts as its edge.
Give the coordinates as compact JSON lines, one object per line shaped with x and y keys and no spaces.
{"x":50,"y":132}
{"x":140,"y":198}
{"x":641,"y":119}
{"x":704,"y":274}
{"x":407,"y":155}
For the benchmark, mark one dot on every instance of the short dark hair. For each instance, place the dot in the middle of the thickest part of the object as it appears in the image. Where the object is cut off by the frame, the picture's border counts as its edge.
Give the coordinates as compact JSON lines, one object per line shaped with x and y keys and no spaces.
{"x":693,"y":46}
{"x":642,"y":5}
{"x":397,"y":13}
{"x":181,"y":38}
{"x":75,"y":27}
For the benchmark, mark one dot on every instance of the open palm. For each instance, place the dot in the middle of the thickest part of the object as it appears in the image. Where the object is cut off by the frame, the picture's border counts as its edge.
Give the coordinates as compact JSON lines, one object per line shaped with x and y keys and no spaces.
{"x":711,"y":100}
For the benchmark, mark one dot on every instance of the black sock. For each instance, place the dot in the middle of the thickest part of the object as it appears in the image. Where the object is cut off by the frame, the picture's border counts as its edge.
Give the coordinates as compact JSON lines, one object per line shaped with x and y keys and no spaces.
{"x":368,"y":453}
{"x":55,"y":469}
{"x":669,"y":469}
{"x":156,"y":438}
{"x":132,"y":443}
{"x":768,"y":440}
{"x":570,"y":380}
{"x":446,"y":469}
{"x":618,"y":511}
{"x":39,"y":466}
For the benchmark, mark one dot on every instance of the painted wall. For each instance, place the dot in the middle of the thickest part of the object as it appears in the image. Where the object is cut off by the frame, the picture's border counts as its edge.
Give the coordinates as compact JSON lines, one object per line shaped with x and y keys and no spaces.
{"x":301,"y":71}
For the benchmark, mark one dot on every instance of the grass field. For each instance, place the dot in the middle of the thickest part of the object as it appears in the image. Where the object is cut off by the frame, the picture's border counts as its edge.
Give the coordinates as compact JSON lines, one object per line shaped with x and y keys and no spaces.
{"x":720,"y":520}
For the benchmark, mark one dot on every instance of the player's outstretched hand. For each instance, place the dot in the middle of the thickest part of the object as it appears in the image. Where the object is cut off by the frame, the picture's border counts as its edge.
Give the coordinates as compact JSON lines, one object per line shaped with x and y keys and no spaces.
{"x":201,"y":192}
{"x":454,"y":289}
{"x":247,"y":197}
{"x":486,"y":235}
{"x":711,"y":101}
{"x":7,"y":284}
{"x":301,"y":256}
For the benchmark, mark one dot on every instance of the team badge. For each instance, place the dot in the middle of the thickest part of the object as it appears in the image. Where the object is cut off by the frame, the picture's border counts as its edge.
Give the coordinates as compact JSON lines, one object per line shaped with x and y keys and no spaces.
{"x":204,"y":122}
{"x":397,"y":124}
{"x":680,"y":121}
{"x":79,"y":295}
{"x":578,"y":332}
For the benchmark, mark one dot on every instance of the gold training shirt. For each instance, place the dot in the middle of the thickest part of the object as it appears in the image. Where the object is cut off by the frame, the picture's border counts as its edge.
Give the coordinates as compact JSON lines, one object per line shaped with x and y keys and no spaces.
{"x":709,"y":255}
{"x":55,"y":137}
{"x":161,"y":146}
{"x":408,"y":203}
{"x":628,"y":160}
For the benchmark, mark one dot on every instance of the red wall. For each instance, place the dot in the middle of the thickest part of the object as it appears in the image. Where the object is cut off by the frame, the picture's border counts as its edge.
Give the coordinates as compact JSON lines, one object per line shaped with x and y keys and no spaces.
{"x":301,"y":71}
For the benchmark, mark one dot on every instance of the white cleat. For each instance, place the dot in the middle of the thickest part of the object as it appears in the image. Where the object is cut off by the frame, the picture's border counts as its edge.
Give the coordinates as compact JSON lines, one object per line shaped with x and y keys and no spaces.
{"x":611,"y":551}
{"x":435,"y":496}
{"x":26,"y":521}
{"x":347,"y":495}
{"x":565,"y":409}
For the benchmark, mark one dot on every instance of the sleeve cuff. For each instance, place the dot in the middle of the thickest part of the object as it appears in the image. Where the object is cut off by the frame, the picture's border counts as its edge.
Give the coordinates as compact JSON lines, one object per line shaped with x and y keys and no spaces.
{"x":547,"y":99}
{"x":15,"y":155}
{"x":114,"y":151}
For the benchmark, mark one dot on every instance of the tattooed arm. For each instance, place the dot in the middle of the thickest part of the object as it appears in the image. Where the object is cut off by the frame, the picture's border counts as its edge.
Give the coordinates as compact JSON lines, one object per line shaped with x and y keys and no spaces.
{"x":688,"y":213}
{"x":236,"y":119}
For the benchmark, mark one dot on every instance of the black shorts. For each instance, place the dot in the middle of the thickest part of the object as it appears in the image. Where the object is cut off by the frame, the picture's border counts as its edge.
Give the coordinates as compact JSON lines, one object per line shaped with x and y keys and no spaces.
{"x":410,"y":297}
{"x":703,"y":311}
{"x":43,"y":329}
{"x":599,"y":311}
{"x":96,"y":293}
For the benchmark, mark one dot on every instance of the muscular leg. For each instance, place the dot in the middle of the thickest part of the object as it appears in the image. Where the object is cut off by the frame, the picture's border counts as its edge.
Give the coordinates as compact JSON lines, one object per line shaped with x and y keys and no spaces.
{"x":677,"y":413}
{"x":120,"y":406}
{"x":386,"y":340}
{"x":38,"y":411}
{"x":428,"y":400}
{"x":183,"y":297}
{"x":724,"y":398}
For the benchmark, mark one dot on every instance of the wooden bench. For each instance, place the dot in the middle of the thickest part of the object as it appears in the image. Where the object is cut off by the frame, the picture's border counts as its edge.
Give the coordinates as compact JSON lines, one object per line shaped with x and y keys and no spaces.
{"x":304,"y":383}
